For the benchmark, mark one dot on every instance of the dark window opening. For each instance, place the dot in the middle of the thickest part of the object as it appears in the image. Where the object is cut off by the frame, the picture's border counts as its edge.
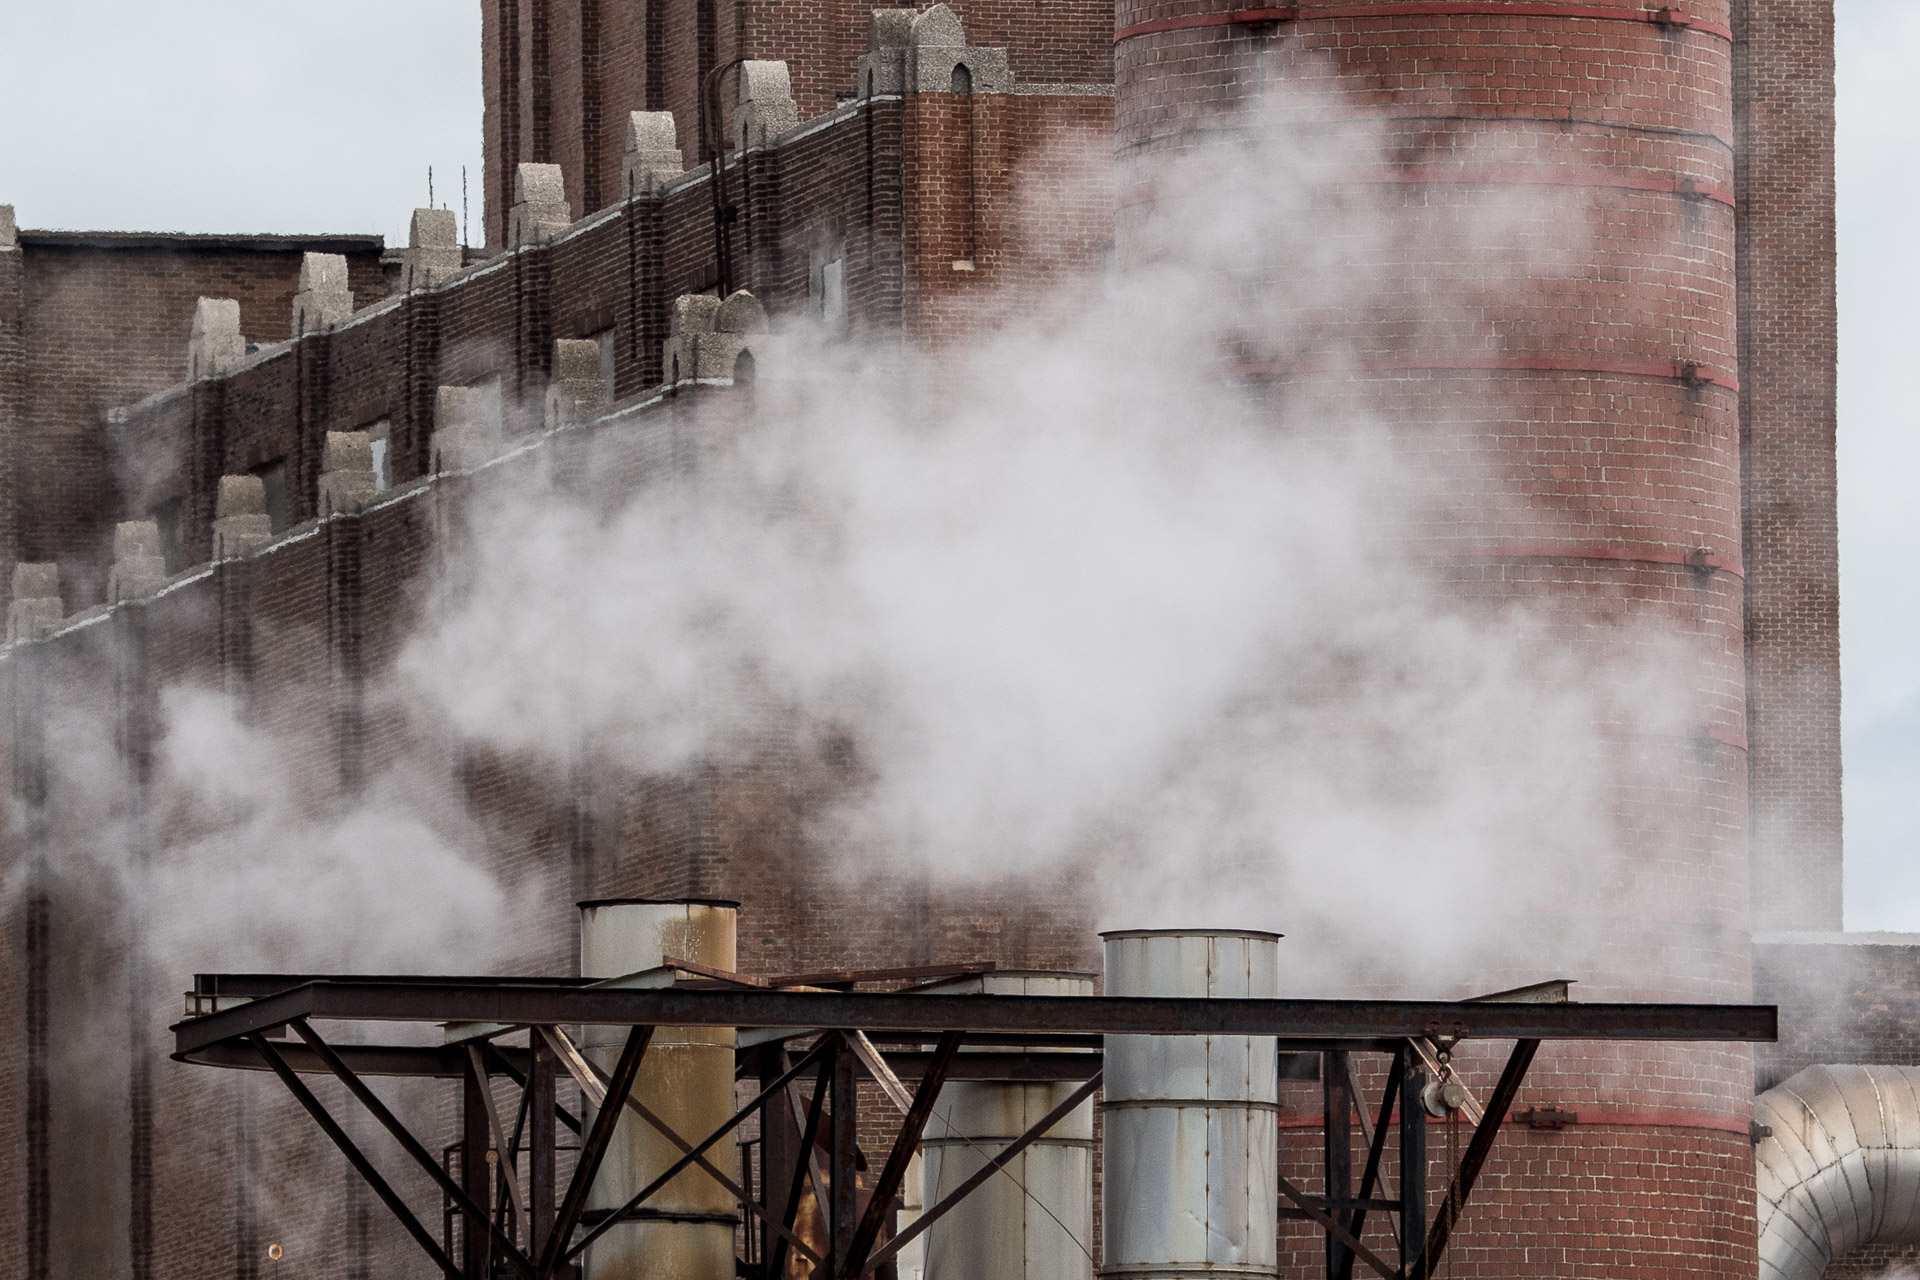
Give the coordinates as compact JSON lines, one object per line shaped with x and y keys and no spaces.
{"x":743,"y":369}
{"x":273,"y":478}
{"x":173,"y":543}
{"x":962,"y":78}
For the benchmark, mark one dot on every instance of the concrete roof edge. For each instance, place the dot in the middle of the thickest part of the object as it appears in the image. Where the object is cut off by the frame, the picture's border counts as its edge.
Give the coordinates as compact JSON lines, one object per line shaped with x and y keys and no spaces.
{"x":168,"y":240}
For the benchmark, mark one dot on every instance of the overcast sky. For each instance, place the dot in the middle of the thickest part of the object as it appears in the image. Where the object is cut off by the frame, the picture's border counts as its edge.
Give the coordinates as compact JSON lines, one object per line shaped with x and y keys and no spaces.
{"x":217,"y":115}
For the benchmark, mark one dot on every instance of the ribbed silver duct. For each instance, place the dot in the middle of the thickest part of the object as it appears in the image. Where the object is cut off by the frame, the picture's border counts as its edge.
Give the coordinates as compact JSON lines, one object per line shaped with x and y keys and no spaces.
{"x":1841,"y":1168}
{"x":1192,"y":1132}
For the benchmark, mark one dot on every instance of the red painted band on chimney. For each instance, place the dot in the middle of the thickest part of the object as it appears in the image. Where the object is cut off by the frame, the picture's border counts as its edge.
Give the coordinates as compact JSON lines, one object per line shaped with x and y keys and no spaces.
{"x":1591,"y":1117}
{"x":1685,"y":371}
{"x":1428,"y":175}
{"x":1702,"y":560}
{"x":1666,"y":17}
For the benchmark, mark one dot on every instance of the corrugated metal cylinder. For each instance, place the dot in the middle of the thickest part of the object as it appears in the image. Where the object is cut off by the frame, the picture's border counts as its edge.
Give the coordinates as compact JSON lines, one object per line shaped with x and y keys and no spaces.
{"x":1191,"y":1121}
{"x":685,"y":1231}
{"x":1001,"y":1232}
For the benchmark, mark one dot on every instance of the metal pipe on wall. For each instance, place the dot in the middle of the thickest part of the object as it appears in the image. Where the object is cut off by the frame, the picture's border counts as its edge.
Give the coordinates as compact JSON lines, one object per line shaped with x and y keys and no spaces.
{"x":1002,"y":1232}
{"x":686,"y":1229}
{"x":1192,"y":1134}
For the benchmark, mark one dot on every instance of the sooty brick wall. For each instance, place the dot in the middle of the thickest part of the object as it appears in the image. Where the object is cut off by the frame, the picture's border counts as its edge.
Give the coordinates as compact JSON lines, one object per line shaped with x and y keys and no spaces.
{"x":104,"y":321}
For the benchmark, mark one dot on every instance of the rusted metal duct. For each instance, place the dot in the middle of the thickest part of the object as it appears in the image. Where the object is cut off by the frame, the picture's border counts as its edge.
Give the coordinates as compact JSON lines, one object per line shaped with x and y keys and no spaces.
{"x":1840,"y":1169}
{"x":1035,"y":1220}
{"x":686,"y":1229}
{"x":1191,"y":1121}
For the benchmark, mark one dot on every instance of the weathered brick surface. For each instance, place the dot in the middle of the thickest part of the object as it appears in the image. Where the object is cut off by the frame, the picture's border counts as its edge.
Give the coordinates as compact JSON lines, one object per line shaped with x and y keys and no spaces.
{"x":1595,"y":406}
{"x":1614,"y":509}
{"x":104,"y":321}
{"x":1783,"y":95}
{"x":1854,"y":999}
{"x":603,"y":60}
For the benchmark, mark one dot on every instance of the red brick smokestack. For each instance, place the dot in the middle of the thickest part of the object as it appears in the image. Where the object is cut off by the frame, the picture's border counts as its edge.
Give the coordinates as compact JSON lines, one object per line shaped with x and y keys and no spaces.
{"x":1604,"y":402}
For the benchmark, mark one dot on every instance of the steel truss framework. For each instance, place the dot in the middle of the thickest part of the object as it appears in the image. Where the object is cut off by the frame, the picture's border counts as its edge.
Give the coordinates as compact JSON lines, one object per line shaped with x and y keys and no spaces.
{"x":829,"y":1039}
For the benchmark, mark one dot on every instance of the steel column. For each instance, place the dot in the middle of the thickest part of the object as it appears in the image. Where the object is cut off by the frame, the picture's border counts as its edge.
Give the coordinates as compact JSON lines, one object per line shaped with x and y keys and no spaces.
{"x":542,"y":1139}
{"x":843,"y":1186}
{"x":1413,"y":1162}
{"x":1337,"y":1094}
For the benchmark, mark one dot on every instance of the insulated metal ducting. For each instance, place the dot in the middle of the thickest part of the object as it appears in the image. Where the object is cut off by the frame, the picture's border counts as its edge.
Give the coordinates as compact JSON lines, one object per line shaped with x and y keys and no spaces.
{"x":684,"y":1231}
{"x":1192,"y":1132}
{"x":1840,"y":1169}
{"x":1035,"y":1220}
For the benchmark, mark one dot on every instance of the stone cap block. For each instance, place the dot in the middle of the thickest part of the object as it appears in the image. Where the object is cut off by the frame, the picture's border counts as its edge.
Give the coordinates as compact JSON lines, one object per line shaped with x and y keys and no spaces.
{"x":36,"y":581}
{"x":694,"y":313}
{"x":651,"y":131}
{"x":323,"y":273}
{"x":466,"y":406}
{"x":240,"y":496}
{"x":939,"y":27}
{"x":890,"y":29}
{"x":764,"y":81}
{"x":216,"y":317}
{"x":434,"y":229}
{"x":347,"y":451}
{"x":539,"y":184}
{"x":740,"y":313}
{"x":135,"y":538}
{"x":9,"y":230}
{"x":576,"y":360}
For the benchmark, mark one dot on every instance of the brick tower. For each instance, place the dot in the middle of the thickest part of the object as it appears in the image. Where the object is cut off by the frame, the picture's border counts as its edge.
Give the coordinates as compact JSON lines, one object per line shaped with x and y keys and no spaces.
{"x":1596,"y":406}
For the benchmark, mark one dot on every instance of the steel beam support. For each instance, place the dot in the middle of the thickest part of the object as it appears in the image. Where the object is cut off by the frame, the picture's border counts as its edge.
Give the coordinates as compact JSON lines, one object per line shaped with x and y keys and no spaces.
{"x":843,"y":1181}
{"x":1332,"y":1226}
{"x":802,"y":1167}
{"x":904,"y":1145}
{"x":542,"y":1144}
{"x":475,"y":1173}
{"x":1475,"y":1159}
{"x":684,"y":1162}
{"x":593,"y":1148}
{"x":993,"y":1166}
{"x":1376,"y":1153}
{"x":443,"y":1001}
{"x":1413,"y":1161}
{"x":356,"y":1158}
{"x":1337,"y":1095}
{"x":410,"y":1144}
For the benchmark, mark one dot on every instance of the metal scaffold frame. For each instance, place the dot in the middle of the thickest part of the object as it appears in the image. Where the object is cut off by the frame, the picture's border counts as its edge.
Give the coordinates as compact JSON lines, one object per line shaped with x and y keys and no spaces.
{"x":832,"y":1035}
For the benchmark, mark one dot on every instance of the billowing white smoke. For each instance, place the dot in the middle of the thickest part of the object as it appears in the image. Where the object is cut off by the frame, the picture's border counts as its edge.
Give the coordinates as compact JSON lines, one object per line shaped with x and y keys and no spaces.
{"x":261,"y":872}
{"x":1077,"y":598}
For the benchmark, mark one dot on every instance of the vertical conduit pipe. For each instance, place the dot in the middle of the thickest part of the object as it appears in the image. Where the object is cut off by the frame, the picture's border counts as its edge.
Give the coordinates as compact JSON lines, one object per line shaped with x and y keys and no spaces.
{"x":1001,"y":1232}
{"x":1192,"y":1136}
{"x":686,"y":1229}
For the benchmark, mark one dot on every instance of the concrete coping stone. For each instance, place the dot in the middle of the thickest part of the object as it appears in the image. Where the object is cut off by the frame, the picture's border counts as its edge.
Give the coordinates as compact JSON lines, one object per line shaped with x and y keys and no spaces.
{"x":539,"y":184}
{"x":651,"y":131}
{"x":348,"y":451}
{"x":433,"y":229}
{"x":217,"y":317}
{"x":323,"y":273}
{"x":135,"y":538}
{"x":36,"y":580}
{"x":240,"y":496}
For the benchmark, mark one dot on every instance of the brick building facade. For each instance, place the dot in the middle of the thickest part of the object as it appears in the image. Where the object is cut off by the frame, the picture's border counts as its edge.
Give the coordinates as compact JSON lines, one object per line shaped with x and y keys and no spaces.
{"x":1667,"y":418}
